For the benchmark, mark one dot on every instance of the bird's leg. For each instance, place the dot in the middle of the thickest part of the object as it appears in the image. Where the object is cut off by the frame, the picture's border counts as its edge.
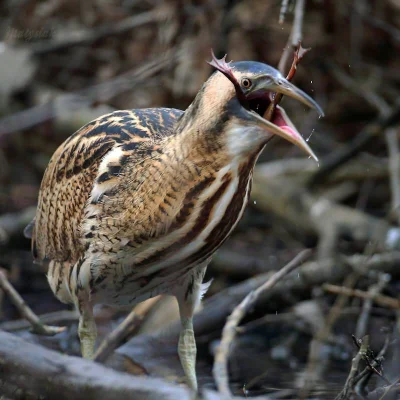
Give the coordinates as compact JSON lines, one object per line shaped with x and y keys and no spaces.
{"x":187,"y":351}
{"x":188,"y":298}
{"x":87,"y":327}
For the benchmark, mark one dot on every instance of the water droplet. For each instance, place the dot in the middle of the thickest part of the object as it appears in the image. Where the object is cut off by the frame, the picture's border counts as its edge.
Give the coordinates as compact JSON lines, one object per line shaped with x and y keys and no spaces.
{"x":311,"y":81}
{"x":255,"y":202}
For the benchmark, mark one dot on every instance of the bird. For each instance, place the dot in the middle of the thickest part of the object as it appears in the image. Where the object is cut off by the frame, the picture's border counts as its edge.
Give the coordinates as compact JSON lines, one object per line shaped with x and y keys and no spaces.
{"x":136,"y":202}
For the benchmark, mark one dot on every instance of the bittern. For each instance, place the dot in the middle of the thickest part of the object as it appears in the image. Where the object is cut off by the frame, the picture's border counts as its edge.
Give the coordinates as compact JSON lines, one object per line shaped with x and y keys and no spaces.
{"x":136,"y":202}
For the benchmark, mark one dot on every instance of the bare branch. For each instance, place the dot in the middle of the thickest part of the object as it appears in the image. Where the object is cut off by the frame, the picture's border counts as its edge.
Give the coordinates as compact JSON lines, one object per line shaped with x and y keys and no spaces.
{"x":384,"y":301}
{"x":124,"y":330}
{"x":297,"y":33}
{"x":220,"y":369}
{"x":392,"y":144}
{"x":48,"y":374}
{"x":37,"y":326}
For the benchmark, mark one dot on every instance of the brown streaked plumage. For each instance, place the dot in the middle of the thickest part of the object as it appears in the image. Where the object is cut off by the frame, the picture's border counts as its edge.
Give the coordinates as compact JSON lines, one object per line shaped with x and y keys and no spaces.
{"x":135,"y":203}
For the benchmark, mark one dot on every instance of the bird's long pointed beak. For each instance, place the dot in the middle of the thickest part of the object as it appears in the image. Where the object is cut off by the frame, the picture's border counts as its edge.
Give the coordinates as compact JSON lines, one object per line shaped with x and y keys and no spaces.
{"x":283,"y":86}
{"x":283,"y":127}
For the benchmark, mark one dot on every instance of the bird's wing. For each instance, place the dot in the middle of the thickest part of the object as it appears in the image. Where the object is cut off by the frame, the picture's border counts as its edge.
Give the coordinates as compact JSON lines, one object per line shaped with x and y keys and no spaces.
{"x":73,"y":172}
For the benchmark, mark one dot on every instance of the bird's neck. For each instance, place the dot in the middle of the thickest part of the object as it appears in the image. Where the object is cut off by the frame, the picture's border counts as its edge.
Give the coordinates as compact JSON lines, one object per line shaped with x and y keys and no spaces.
{"x":213,"y":126}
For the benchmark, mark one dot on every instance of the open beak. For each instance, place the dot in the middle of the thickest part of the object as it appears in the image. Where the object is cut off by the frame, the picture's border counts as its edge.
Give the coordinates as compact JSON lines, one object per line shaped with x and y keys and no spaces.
{"x":283,"y":127}
{"x":281,"y":124}
{"x":283,"y":86}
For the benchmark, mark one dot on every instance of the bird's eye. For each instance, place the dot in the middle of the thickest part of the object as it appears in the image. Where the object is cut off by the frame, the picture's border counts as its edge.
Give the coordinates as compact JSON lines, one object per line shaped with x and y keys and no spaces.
{"x":246,"y":83}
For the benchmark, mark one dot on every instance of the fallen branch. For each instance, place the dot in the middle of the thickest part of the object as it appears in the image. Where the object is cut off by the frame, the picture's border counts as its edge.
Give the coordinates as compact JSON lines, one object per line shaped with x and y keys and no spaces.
{"x":46,"y":373}
{"x":317,"y":216}
{"x":147,"y":349}
{"x":124,"y":330}
{"x":37,"y":326}
{"x":65,"y":316}
{"x":220,"y":369}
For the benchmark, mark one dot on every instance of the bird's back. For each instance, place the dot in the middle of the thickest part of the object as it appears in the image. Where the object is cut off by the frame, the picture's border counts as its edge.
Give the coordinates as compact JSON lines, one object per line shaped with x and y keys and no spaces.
{"x":74,"y":170}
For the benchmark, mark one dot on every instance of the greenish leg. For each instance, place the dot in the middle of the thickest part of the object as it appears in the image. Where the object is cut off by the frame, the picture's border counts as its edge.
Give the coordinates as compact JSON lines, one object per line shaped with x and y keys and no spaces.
{"x":189,"y":297}
{"x":87,"y":329}
{"x":187,"y":351}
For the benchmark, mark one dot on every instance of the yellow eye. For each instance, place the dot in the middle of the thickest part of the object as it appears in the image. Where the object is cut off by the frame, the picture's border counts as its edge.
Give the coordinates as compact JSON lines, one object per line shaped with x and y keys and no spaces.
{"x":246,"y":83}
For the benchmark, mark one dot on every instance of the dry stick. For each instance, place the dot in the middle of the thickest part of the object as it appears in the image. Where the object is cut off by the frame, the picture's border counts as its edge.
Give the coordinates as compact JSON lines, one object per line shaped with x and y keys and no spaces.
{"x":394,"y":169}
{"x":374,"y":291}
{"x":123,"y":330}
{"x":389,"y":388}
{"x":382,"y":300}
{"x":295,"y":36}
{"x":299,"y":53}
{"x":298,"y":22}
{"x":314,"y":359}
{"x":350,"y":381}
{"x":283,"y":11}
{"x":37,"y":326}
{"x":220,"y":369}
{"x":47,"y":374}
{"x":66,"y":316}
{"x":287,"y":51}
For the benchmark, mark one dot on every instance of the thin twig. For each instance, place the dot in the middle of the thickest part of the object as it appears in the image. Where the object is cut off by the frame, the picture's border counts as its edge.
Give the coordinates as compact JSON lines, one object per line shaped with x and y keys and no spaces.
{"x":123,"y":330}
{"x":287,"y":51}
{"x":392,"y":145}
{"x":389,"y":388}
{"x":315,"y":364}
{"x":37,"y":326}
{"x":350,"y":381}
{"x":382,"y":300}
{"x":220,"y":369}
{"x":283,"y":11}
{"x":298,"y":55}
{"x":297,"y":33}
{"x":374,"y":291}
{"x":66,"y":316}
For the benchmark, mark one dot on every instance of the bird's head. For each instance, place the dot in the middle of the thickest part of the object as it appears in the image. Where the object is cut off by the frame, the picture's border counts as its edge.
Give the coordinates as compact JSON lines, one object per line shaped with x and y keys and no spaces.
{"x":239,"y":93}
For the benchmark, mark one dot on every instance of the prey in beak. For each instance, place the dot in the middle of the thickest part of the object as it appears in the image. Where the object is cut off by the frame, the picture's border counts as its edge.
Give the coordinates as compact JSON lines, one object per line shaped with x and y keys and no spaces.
{"x":254,"y":83}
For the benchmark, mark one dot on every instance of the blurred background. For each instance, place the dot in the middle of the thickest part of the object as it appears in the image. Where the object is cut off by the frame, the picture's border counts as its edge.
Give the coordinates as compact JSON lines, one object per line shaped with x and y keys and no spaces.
{"x":66,"y":62}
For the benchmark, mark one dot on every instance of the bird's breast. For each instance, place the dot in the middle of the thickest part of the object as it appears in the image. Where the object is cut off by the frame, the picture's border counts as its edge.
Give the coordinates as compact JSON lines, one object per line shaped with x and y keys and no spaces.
{"x":207,"y":215}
